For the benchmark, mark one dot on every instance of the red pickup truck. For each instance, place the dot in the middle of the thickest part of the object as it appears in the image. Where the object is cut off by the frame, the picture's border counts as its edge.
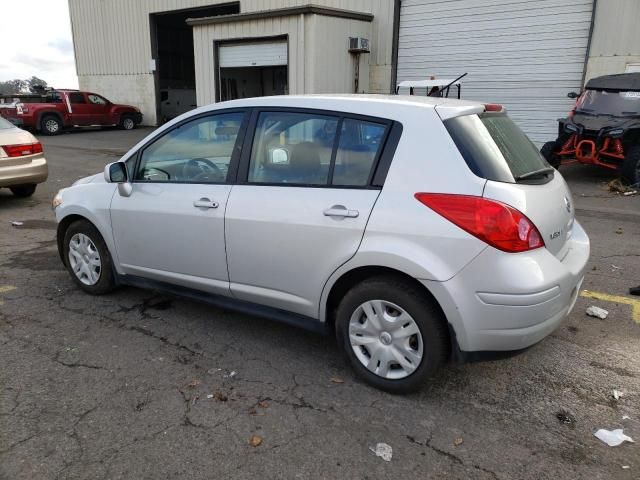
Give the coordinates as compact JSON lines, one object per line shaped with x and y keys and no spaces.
{"x":62,"y":109}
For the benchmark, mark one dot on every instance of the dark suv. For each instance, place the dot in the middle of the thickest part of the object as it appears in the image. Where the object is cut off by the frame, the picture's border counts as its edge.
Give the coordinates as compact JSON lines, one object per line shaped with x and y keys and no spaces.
{"x":603,"y":129}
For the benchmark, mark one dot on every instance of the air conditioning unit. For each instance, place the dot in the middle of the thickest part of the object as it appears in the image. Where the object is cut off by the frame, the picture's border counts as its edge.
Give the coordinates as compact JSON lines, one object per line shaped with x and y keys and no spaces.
{"x":359,"y":45}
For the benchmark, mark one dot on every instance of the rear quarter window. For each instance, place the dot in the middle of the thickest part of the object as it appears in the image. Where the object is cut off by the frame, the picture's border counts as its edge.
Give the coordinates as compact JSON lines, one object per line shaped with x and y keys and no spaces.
{"x":495,"y":148}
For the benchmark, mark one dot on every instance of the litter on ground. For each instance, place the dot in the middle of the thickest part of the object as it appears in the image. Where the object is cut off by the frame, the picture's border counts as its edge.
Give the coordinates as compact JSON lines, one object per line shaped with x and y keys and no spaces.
{"x":17,"y":224}
{"x":383,"y":451}
{"x":616,"y":394}
{"x":613,"y":438}
{"x":597,"y":312}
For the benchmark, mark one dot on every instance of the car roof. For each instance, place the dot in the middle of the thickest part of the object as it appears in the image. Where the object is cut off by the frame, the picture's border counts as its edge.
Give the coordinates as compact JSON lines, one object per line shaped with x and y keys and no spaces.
{"x":366,"y":104}
{"x":620,"y":81}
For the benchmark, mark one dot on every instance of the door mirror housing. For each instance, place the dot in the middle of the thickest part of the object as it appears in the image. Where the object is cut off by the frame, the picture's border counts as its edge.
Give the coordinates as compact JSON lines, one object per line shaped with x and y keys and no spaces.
{"x":116,"y":173}
{"x":573,"y":94}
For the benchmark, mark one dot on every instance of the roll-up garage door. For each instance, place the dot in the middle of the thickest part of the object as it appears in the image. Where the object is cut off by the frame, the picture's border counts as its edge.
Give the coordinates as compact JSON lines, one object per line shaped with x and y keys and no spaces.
{"x":526,"y":55}
{"x":259,"y":54}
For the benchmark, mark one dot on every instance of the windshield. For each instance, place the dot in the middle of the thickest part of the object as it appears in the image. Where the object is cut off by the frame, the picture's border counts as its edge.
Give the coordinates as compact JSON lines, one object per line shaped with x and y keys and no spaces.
{"x":601,"y":102}
{"x":496,"y":149}
{"x":4,"y":124}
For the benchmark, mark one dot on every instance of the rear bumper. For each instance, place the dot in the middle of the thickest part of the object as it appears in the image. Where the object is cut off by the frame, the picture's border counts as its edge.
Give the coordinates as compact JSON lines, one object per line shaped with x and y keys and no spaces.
{"x":504,"y":302}
{"x":33,"y":171}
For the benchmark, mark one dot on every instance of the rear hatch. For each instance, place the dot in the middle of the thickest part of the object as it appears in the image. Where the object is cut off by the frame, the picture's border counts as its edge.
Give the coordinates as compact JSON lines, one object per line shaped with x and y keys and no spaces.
{"x":497,"y":150}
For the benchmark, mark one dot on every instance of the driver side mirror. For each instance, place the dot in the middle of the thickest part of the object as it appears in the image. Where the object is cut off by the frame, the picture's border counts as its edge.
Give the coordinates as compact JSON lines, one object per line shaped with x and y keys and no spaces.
{"x":573,"y":95}
{"x":117,"y":173}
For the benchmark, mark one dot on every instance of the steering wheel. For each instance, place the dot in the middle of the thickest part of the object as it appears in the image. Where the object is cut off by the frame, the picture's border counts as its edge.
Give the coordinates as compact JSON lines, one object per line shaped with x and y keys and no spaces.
{"x":202,"y":169}
{"x":148,"y":172}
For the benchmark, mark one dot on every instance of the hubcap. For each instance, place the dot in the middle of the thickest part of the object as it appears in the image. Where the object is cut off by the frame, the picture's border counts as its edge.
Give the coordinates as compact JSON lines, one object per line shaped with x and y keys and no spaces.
{"x":84,"y":259}
{"x":52,"y":125}
{"x":385,"y":339}
{"x":128,"y":124}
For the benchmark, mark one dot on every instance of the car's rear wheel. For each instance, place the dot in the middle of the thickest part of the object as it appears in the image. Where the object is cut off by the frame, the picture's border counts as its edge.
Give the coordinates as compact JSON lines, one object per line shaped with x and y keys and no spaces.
{"x":393,"y":334}
{"x":631,"y":166}
{"x":23,"y":191}
{"x":87,"y":258}
{"x":547,"y":152}
{"x":127,"y":122}
{"x":51,"y":125}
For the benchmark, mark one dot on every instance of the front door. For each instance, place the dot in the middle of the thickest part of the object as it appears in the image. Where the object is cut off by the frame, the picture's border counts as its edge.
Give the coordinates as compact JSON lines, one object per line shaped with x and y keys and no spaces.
{"x":301,"y":205}
{"x":98,"y":110}
{"x":171,"y":228}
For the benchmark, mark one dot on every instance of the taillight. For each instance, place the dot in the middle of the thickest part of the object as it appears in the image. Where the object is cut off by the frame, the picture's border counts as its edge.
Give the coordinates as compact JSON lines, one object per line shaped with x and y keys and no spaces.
{"x":22,"y":150}
{"x":495,"y":223}
{"x":493,"y":107}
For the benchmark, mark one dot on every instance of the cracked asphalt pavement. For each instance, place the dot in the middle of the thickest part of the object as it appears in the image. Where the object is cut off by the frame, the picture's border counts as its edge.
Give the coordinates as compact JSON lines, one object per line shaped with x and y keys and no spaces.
{"x":140,"y":385}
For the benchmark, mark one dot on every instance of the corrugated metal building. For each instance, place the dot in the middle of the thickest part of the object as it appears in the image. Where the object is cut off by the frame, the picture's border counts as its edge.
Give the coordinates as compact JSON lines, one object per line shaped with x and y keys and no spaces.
{"x":144,"y":53}
{"x":167,"y":56}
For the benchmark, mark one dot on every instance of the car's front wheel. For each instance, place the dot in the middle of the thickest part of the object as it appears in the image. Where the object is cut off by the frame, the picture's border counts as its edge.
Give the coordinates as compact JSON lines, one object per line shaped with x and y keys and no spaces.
{"x":127,"y":122}
{"x":87,"y":258}
{"x":393,"y":334}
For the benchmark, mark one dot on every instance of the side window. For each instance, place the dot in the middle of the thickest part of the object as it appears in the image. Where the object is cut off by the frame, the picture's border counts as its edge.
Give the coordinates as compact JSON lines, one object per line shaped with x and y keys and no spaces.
{"x":358,"y":149}
{"x":76,"y":98}
{"x":292,"y":148}
{"x":199,"y":151}
{"x":53,"y":97}
{"x":96,"y":99}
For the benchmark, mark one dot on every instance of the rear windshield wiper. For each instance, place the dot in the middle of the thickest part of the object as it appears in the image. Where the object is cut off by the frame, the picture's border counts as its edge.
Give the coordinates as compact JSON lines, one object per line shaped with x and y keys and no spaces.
{"x":535,"y":173}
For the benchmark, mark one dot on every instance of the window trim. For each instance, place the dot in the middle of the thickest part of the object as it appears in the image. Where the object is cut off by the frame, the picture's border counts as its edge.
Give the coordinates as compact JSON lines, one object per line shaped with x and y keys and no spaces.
{"x":245,"y":159}
{"x":235,"y":155}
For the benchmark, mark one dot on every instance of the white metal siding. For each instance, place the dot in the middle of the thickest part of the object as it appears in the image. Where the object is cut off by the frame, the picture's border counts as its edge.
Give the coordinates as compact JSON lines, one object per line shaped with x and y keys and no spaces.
{"x":260,"y":54}
{"x":525,"y":55}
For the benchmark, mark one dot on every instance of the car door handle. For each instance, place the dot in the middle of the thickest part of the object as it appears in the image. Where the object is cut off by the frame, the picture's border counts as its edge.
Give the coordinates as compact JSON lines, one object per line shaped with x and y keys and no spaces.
{"x":205,"y":203}
{"x":340,"y":211}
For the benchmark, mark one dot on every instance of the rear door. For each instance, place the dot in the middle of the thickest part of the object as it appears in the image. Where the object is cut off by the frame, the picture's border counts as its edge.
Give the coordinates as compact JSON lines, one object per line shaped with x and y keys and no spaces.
{"x":497,"y":150}
{"x":302,"y":202}
{"x":81,"y":113}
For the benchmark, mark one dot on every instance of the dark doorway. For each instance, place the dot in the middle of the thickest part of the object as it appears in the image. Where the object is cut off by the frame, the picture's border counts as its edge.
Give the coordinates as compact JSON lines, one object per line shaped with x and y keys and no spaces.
{"x":244,"y":82}
{"x":172,"y":47}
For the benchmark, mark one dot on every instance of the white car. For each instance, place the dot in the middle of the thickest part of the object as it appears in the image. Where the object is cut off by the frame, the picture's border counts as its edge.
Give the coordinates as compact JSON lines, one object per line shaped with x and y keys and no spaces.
{"x":417,"y":229}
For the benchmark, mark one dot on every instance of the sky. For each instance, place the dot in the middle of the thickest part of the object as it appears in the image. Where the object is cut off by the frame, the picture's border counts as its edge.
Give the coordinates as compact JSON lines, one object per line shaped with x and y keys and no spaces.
{"x":35,"y":39}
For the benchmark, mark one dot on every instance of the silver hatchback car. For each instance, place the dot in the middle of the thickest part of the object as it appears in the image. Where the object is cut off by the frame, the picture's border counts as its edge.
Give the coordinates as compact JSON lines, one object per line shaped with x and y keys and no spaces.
{"x":417,"y":229}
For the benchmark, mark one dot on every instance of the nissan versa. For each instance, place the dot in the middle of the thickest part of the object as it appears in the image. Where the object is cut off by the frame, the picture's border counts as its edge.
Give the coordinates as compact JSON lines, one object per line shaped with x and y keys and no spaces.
{"x":417,"y":229}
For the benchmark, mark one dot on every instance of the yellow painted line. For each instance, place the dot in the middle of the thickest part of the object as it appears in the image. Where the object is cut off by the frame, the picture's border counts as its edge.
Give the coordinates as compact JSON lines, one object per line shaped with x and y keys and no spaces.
{"x":6,"y":289}
{"x":605,"y":297}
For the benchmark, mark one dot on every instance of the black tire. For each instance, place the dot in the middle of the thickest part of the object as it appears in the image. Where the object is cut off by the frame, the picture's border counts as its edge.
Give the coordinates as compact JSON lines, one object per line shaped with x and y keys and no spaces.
{"x":426,"y":315}
{"x":23,"y":191}
{"x":547,"y":152}
{"x":51,"y":125}
{"x":630,"y":170}
{"x":127,"y":122}
{"x":106,"y":281}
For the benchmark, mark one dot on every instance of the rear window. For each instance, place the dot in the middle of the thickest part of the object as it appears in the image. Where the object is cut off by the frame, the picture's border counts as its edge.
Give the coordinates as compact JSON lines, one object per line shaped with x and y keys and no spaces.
{"x":496,"y":149}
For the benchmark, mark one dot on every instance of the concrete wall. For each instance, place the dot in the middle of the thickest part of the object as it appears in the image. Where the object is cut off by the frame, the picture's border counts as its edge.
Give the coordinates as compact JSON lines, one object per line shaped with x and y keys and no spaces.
{"x":112,"y":39}
{"x":616,"y":37}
